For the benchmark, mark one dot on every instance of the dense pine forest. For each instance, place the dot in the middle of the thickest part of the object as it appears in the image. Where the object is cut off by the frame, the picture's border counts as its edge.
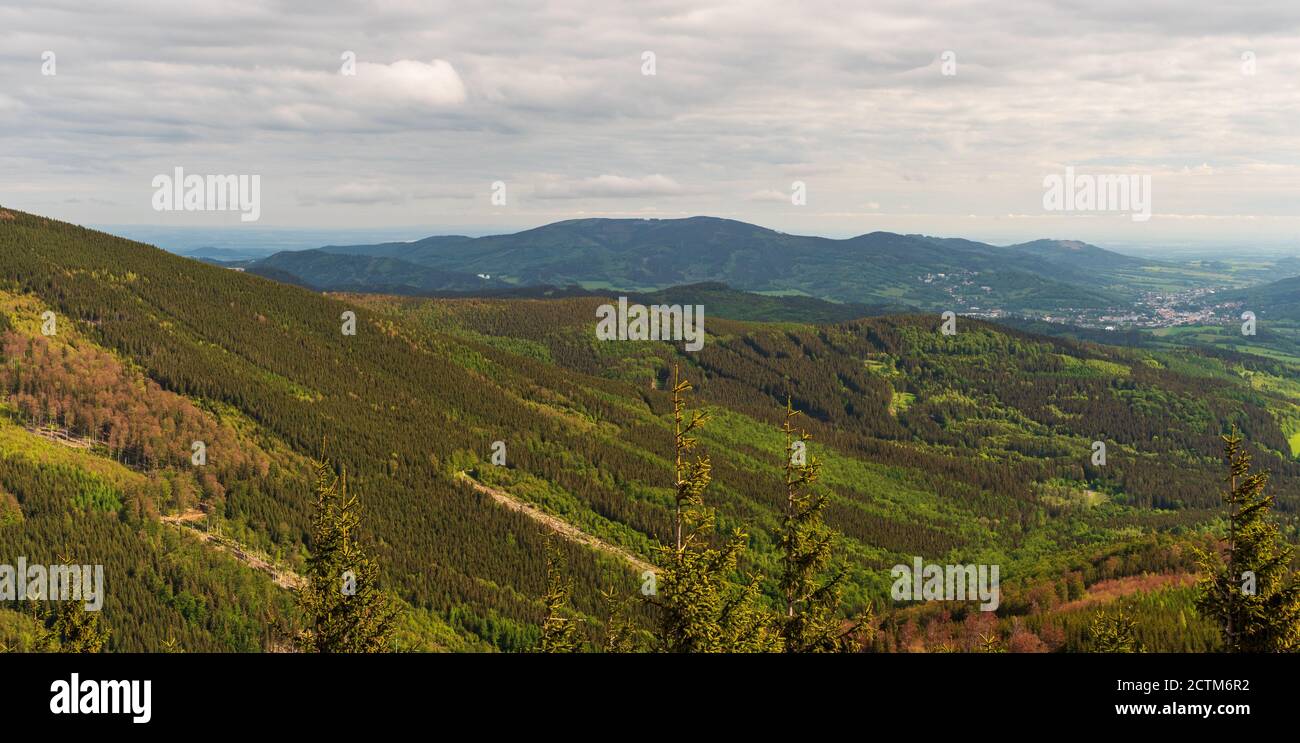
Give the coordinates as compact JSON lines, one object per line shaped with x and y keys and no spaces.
{"x":168,"y":419}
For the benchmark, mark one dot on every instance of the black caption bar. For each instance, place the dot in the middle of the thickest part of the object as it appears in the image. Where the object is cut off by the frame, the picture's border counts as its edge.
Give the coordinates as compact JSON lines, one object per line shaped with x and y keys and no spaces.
{"x":241,"y":693}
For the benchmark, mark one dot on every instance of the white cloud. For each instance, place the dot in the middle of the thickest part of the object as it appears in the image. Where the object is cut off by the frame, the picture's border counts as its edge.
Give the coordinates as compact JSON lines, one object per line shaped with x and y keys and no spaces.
{"x":358,"y":193}
{"x":407,"y":81}
{"x":748,"y":96}
{"x":609,"y":187}
{"x":768,"y":194}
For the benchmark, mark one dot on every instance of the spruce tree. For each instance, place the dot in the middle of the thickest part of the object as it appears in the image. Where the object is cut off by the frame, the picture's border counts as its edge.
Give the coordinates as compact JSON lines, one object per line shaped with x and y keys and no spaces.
{"x":621,"y":634}
{"x":810,"y":622}
{"x":1249,"y":588}
{"x":171,"y":645}
{"x":67,"y":626}
{"x":990,"y":642}
{"x":560,"y":632}
{"x":70,"y":628}
{"x":700,"y":609}
{"x":1114,"y":632}
{"x":343,"y":609}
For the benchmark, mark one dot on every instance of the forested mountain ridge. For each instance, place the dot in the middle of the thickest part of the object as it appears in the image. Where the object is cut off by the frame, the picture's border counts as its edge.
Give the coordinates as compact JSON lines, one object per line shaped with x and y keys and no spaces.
{"x":875,"y":268}
{"x":322,"y":270}
{"x":277,"y":354}
{"x":967,"y":447}
{"x":1275,"y":300}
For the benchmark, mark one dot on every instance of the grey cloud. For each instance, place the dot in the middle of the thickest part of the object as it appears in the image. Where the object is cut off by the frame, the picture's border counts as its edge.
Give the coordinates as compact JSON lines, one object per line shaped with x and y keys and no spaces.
{"x":356,"y":193}
{"x":609,"y":187}
{"x":747,"y":97}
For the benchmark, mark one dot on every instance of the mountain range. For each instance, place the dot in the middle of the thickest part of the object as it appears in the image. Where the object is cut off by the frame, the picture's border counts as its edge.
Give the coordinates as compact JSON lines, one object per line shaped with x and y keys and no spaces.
{"x":879,"y":268}
{"x":1277,"y":299}
{"x":975,"y":447}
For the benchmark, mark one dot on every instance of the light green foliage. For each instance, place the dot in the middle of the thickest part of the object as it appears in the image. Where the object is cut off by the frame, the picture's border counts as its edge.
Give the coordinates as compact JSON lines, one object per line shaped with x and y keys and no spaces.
{"x":811,"y":620}
{"x":1114,"y":631}
{"x":1250,"y":589}
{"x":343,"y":609}
{"x":561,"y":630}
{"x":700,"y":609}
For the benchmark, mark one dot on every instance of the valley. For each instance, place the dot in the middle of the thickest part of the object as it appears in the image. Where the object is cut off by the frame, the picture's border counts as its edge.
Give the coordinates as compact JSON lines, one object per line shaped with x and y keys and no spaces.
{"x":1056,"y":281}
{"x":963,"y":449}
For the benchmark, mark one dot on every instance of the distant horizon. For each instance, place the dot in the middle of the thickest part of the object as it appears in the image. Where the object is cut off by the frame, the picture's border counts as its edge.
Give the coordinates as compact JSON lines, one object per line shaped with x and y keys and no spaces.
{"x":187,"y":238}
{"x":812,"y":119}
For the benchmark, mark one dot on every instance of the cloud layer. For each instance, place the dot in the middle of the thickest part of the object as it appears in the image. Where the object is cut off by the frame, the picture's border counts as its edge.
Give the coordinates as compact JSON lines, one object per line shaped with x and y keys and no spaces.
{"x":747,"y":98}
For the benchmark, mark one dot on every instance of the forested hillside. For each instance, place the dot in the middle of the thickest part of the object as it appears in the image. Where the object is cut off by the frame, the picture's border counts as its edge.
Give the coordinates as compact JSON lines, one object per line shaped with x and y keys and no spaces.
{"x":876,"y":268}
{"x":972,"y":447}
{"x":320,"y":270}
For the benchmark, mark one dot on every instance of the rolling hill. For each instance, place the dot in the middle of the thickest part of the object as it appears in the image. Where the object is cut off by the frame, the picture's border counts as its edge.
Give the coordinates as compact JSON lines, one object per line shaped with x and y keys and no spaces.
{"x":967,"y":448}
{"x":1274,"y":300}
{"x":318,"y":269}
{"x":1077,"y":254}
{"x":878,"y":268}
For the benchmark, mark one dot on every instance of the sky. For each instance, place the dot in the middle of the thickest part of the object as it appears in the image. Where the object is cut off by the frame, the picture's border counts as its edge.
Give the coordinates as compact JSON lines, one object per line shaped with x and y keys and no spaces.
{"x":943,"y":118}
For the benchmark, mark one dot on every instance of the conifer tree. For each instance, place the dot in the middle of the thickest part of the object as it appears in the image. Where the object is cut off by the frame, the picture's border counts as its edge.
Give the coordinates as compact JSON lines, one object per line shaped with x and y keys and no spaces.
{"x":810,"y":622}
{"x":1249,"y":589}
{"x":1114,"y":632}
{"x":692,"y":476}
{"x":990,"y":642}
{"x":67,"y":626}
{"x":621,"y":634}
{"x":560,"y":633}
{"x":342,"y":606}
{"x":70,"y":628}
{"x":700,"y":609}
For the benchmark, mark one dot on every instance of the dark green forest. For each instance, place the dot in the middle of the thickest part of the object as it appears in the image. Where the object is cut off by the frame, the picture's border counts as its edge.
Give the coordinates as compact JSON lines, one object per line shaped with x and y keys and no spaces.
{"x":972,"y":448}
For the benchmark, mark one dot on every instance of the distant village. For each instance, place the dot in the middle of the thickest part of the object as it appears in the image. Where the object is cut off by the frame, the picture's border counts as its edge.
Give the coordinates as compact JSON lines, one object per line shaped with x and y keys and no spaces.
{"x":1152,"y":310}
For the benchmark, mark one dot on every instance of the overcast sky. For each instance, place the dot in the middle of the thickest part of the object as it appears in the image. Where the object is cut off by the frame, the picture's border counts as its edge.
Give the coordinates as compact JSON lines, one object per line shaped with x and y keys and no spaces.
{"x":550,"y":98}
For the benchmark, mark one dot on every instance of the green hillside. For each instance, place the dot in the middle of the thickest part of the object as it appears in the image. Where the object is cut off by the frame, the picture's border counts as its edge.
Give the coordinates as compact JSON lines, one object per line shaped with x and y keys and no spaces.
{"x":973,"y":447}
{"x":1277,"y":299}
{"x":320,"y":270}
{"x":878,"y":268}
